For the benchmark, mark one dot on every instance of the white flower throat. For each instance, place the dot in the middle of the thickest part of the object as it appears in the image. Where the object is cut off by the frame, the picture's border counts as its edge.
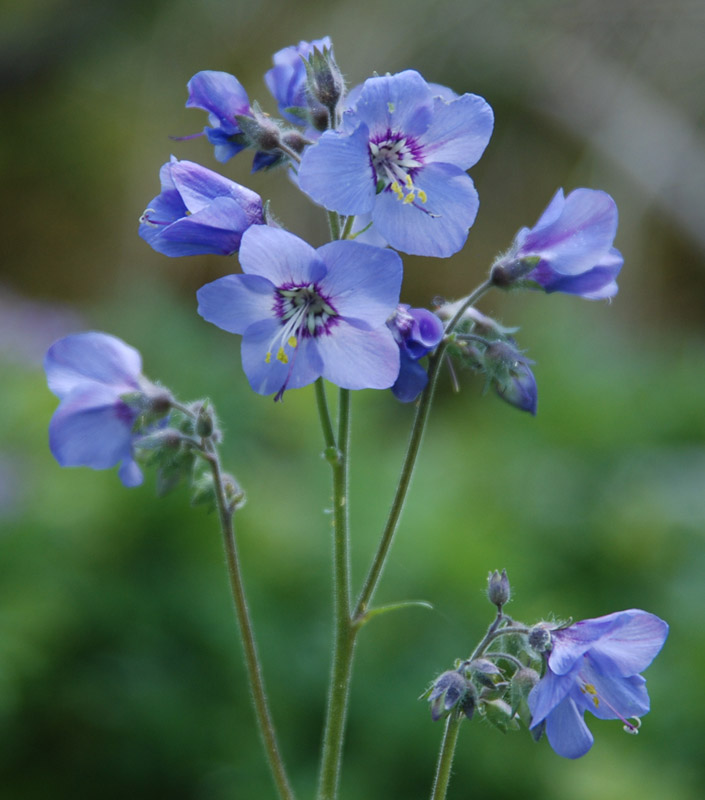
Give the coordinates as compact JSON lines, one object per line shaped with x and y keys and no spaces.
{"x":304,"y":312}
{"x":394,"y":160}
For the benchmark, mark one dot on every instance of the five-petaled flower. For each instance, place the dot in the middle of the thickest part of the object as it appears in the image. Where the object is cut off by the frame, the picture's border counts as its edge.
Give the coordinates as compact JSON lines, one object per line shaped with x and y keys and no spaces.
{"x":198,"y":211}
{"x":306,"y":313}
{"x":91,"y":373}
{"x":401,"y":156}
{"x":568,"y":250}
{"x":594,"y":666}
{"x":417,"y":331}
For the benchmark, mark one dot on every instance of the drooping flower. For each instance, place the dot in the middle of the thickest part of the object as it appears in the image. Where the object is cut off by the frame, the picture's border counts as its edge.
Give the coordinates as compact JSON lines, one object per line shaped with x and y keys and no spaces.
{"x":417,"y":331}
{"x":198,"y":211}
{"x":594,"y":666}
{"x":570,"y":249}
{"x":91,"y":374}
{"x":286,"y":80}
{"x":306,"y":313}
{"x":224,"y":98}
{"x":508,"y":371}
{"x":401,"y":156}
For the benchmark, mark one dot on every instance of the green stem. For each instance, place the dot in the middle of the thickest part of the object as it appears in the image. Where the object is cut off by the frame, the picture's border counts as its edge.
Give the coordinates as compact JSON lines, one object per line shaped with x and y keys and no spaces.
{"x":345,"y":631}
{"x":254,"y":670}
{"x":445,"y":757}
{"x":412,"y":451}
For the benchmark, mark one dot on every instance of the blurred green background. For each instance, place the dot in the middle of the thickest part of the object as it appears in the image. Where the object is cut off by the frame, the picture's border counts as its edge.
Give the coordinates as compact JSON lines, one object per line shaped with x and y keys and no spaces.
{"x":120,"y":671}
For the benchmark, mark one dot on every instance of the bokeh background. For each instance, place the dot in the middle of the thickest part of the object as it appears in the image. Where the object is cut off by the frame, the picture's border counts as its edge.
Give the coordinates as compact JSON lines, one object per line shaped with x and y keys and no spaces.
{"x":120,"y":671}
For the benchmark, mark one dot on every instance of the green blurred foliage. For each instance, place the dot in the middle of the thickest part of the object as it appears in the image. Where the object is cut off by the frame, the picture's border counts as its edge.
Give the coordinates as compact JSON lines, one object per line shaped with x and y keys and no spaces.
{"x":120,"y":669}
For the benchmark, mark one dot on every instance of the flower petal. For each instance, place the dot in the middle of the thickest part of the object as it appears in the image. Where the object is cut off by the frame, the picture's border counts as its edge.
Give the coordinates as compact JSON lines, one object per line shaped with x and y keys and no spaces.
{"x":459,"y":131}
{"x":438,"y":227}
{"x":363,"y":282}
{"x":632,"y":642}
{"x":219,"y":93}
{"x":359,"y":359}
{"x":198,"y":186}
{"x":235,"y":302}
{"x":279,"y":256}
{"x":400,"y":103}
{"x":567,"y":732}
{"x":547,"y":694}
{"x":337,"y":172}
{"x":92,"y":356}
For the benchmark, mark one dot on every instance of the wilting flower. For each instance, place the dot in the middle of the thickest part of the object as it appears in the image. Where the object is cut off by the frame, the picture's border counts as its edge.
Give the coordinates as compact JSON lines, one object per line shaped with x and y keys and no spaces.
{"x":568,"y":250}
{"x":417,"y":331}
{"x":286,"y":80}
{"x":224,"y":98}
{"x":594,"y":666}
{"x":198,"y":211}
{"x":91,"y":374}
{"x":401,"y":156}
{"x":306,"y":313}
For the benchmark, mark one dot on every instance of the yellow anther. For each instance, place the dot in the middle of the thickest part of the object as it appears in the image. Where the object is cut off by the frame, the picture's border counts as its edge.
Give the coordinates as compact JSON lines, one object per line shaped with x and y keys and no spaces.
{"x":409,"y":198}
{"x":282,"y":356}
{"x":421,"y":195}
{"x":268,"y":358}
{"x":291,"y":341}
{"x":396,"y":189}
{"x":409,"y":182}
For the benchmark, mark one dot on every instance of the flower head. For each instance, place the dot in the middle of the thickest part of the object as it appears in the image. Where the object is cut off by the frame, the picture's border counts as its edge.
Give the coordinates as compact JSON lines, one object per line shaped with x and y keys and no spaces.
{"x":198,"y":211}
{"x":306,"y":313}
{"x":401,"y":156}
{"x":286,"y":80}
{"x":508,"y":371}
{"x":91,"y":373}
{"x":594,"y":666}
{"x":417,"y":331}
{"x":568,"y":250}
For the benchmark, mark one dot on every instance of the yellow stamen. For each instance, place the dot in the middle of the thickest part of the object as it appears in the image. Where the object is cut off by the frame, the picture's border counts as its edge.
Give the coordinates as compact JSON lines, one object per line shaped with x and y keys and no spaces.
{"x":421,"y":195}
{"x":282,"y":356}
{"x":291,"y":341}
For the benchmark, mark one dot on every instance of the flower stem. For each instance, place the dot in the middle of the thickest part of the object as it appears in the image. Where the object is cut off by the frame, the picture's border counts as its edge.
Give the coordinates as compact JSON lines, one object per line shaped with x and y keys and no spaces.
{"x":345,"y":631}
{"x":254,"y":670}
{"x":445,"y":757}
{"x":412,"y":451}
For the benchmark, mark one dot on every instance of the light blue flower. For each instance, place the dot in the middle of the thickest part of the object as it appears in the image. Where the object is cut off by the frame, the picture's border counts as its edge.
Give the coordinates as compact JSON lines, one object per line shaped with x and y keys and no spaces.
{"x":570,"y":249}
{"x":402,"y":156}
{"x":594,"y":666}
{"x":306,"y":313}
{"x":417,"y":331}
{"x":93,"y":426}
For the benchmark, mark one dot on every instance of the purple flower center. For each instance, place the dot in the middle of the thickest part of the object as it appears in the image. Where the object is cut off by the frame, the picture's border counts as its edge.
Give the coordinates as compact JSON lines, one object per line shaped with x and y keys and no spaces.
{"x":304,"y":312}
{"x":396,"y":159}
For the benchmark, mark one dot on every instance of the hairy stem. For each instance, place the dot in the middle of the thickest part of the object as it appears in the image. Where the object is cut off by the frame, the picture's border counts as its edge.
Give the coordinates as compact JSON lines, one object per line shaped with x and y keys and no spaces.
{"x":445,"y":757}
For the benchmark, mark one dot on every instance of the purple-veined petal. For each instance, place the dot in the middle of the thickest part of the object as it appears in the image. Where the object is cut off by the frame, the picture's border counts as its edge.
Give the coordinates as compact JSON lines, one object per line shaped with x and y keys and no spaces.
{"x":359,"y":359}
{"x":198,"y":186}
{"x":235,"y":302}
{"x":567,"y":732}
{"x":459,"y":131}
{"x":91,"y":356}
{"x":396,"y":103}
{"x":614,"y":697}
{"x":363,"y":282}
{"x":633,"y":641}
{"x":438,"y":227}
{"x":270,"y":376}
{"x":337,"y":172}
{"x":279,"y":256}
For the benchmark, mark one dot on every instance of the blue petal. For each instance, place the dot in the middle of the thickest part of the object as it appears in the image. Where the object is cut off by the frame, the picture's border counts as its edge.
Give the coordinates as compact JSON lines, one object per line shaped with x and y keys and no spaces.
{"x":359,"y":359}
{"x":400,"y":103}
{"x":411,"y":381}
{"x":615,"y":697}
{"x":438,"y":227}
{"x":235,"y":302}
{"x":567,"y":732}
{"x":73,"y":361}
{"x":633,"y":641}
{"x":337,"y":172}
{"x":548,"y":693}
{"x":130,"y":474}
{"x":279,"y":256}
{"x":363,"y":282}
{"x":221,"y":94}
{"x":459,"y":131}
{"x":199,"y":186}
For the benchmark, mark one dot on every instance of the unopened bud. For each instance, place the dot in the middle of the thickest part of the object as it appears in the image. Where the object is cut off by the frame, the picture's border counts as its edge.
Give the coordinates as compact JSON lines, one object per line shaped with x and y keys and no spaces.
{"x":540,"y":638}
{"x":498,"y":588}
{"x":451,"y":689}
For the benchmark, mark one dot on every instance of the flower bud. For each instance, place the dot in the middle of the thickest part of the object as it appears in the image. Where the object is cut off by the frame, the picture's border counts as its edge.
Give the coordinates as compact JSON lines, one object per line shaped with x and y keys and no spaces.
{"x":450,"y":690}
{"x":498,"y":589}
{"x":325,"y":80}
{"x":540,"y":637}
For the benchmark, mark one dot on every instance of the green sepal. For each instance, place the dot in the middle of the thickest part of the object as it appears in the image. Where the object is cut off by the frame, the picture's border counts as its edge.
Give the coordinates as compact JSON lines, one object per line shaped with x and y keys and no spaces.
{"x":376,"y":612}
{"x":499,"y":714}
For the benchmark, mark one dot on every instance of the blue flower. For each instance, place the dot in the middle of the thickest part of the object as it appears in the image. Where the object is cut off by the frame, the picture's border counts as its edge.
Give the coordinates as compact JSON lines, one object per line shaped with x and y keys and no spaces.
{"x":224,"y":98}
{"x":568,"y":250}
{"x":594,"y":666}
{"x":510,"y":374}
{"x":401,"y":156}
{"x":417,"y":331}
{"x":304,"y":313}
{"x":90,"y":373}
{"x":287,"y":82}
{"x":198,"y":211}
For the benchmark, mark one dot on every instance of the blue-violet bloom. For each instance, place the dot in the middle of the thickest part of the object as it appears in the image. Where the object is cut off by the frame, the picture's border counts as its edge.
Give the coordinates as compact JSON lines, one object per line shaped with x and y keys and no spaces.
{"x":417,"y":331}
{"x":90,"y":373}
{"x":594,"y":666}
{"x":286,"y":80}
{"x":306,"y":313}
{"x":198,"y":211}
{"x":401,"y":156}
{"x":510,"y":374}
{"x":570,"y":249}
